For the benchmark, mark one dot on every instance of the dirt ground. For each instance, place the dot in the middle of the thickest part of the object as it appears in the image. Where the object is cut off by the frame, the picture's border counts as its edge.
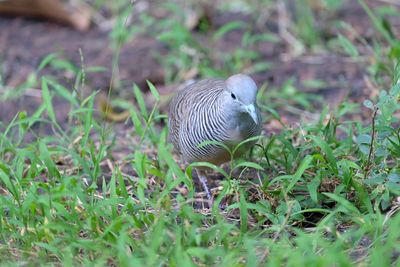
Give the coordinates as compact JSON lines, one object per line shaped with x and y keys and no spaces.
{"x":25,"y":42}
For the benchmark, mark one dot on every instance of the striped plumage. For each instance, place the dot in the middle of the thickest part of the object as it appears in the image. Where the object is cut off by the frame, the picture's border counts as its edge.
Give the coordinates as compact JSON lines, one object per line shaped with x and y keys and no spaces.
{"x":213,"y":110}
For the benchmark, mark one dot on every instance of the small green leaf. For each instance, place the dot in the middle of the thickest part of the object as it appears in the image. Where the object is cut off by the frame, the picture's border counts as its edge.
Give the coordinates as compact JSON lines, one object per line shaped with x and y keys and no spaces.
{"x":47,"y":100}
{"x":54,"y":250}
{"x":136,"y":122}
{"x":63,"y":92}
{"x":343,"y":202}
{"x":313,"y":189}
{"x":304,"y":165}
{"x":214,"y":143}
{"x":364,"y":139}
{"x":368,"y":104}
{"x":46,"y":61}
{"x":95,"y":69}
{"x":140,"y":101}
{"x":394,"y":177}
{"x":328,"y":152}
{"x":260,"y":67}
{"x":243,"y":213}
{"x":348,"y":46}
{"x":153,"y":91}
{"x":234,"y":25}
{"x":209,"y":165}
{"x":252,"y":165}
{"x":48,"y":162}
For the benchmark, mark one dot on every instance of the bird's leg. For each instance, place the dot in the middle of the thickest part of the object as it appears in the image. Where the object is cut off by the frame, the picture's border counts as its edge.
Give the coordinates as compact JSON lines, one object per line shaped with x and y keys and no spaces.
{"x":203,"y":181}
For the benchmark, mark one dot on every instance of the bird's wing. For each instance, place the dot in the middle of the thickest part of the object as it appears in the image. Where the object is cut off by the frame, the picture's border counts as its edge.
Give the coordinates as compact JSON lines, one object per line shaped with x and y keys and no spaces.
{"x":181,"y":106}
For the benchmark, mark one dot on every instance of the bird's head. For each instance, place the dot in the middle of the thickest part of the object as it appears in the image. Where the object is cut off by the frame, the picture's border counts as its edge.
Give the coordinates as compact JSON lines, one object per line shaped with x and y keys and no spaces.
{"x":241,"y":92}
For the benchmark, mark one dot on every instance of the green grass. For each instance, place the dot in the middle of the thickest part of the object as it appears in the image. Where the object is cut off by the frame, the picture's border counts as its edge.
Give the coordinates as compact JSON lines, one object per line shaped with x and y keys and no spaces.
{"x":324,"y":193}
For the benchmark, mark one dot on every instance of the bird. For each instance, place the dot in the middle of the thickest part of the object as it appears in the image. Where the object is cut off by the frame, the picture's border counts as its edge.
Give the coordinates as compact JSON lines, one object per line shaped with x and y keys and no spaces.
{"x":215,"y":110}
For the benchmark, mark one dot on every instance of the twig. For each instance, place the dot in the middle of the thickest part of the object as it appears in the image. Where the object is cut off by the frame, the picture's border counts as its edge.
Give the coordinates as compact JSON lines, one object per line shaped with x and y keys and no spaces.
{"x":392,"y":211}
{"x":371,"y":146}
{"x":391,"y":2}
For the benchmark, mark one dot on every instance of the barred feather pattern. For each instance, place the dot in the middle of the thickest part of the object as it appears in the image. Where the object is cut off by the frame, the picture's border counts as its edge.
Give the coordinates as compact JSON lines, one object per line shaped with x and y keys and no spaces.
{"x":199,"y":113}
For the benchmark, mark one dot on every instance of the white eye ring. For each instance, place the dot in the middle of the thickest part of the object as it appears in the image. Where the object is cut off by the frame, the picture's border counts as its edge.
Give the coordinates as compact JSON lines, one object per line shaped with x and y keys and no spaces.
{"x":233,"y":95}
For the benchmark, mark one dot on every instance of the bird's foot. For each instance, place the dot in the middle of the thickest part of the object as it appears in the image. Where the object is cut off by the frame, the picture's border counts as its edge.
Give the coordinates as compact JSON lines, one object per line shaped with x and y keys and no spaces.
{"x":203,"y":181}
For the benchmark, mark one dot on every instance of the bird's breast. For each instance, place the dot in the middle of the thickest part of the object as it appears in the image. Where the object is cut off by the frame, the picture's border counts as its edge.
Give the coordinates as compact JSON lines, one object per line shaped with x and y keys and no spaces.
{"x":242,"y":127}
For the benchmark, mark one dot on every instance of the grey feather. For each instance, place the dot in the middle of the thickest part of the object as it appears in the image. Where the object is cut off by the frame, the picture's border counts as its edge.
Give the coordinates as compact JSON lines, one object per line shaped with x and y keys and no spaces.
{"x":218,"y":110}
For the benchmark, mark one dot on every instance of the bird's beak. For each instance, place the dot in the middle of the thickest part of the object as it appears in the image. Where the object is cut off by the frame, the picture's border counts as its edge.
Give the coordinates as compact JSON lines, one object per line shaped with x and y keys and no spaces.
{"x":251,"y":109}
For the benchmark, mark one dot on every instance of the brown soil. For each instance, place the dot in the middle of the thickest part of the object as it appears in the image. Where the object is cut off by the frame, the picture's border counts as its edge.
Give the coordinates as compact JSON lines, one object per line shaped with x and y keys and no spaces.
{"x":24,"y":43}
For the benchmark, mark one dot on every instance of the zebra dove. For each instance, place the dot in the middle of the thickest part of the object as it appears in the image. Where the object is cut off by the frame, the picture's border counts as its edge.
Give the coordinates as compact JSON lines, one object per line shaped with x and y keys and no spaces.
{"x":216,"y":110}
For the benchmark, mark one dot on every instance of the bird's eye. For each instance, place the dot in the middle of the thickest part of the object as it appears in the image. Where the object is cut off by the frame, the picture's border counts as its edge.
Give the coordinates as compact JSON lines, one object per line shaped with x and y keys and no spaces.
{"x":233,"y":96}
